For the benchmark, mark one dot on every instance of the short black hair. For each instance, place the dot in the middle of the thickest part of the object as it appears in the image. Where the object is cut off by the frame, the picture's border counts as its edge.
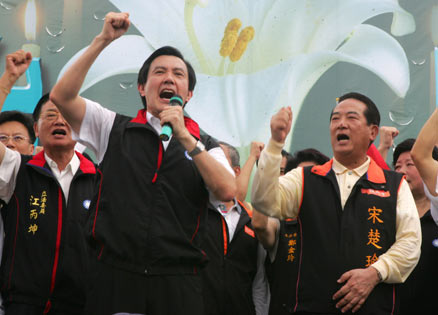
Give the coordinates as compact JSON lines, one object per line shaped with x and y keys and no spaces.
{"x":234,"y":154}
{"x":306,"y":155}
{"x":25,"y":119}
{"x":406,"y":146}
{"x":164,"y":51}
{"x":37,"y":111}
{"x":371,"y":113}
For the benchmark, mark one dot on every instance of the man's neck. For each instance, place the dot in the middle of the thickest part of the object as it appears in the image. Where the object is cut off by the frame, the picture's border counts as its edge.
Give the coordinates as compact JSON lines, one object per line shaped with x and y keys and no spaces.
{"x":60,"y":157}
{"x":351,"y":163}
{"x":229,"y":204}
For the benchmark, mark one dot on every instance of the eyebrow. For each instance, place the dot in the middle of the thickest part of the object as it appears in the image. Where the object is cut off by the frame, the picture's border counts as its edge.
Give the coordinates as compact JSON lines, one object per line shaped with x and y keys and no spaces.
{"x":173,"y":69}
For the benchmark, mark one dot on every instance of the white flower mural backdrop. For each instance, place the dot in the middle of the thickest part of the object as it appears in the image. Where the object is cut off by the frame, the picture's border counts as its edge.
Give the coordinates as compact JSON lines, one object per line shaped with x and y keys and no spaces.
{"x":254,"y":56}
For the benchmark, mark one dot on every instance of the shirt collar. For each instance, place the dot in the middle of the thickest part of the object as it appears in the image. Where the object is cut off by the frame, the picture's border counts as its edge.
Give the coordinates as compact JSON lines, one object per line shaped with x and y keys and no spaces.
{"x":154,"y":122}
{"x":219,"y":206}
{"x":339,"y":169}
{"x":72,"y":166}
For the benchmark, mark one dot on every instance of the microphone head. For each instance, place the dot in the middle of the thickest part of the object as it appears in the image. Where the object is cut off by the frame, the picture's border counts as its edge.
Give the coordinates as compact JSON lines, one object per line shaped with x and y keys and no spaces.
{"x":176,"y":100}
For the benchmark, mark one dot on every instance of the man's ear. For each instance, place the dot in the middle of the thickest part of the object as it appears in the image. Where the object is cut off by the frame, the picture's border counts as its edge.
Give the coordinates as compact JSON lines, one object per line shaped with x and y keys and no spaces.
{"x":236,"y":170}
{"x":374,"y":132}
{"x":35,"y":129}
{"x":140,"y":88}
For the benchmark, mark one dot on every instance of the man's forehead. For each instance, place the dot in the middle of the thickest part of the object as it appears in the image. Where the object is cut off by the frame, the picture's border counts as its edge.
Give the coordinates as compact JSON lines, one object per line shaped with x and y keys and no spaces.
{"x":168,"y":61}
{"x":49,"y":106}
{"x":349,"y":105}
{"x":15,"y":123}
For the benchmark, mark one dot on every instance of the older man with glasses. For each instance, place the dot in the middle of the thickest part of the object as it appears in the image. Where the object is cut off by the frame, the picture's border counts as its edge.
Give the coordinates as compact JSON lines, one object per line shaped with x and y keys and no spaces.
{"x":46,"y":196}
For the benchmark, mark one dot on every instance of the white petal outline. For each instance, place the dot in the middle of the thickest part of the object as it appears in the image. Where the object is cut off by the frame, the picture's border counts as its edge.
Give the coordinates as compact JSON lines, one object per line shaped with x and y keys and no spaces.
{"x":114,"y":59}
{"x":339,"y":21}
{"x":246,"y":96}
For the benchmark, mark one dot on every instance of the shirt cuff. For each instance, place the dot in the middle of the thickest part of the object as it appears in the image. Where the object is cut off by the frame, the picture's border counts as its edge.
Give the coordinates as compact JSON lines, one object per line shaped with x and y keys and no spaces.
{"x":274,"y":147}
{"x":381,"y":267}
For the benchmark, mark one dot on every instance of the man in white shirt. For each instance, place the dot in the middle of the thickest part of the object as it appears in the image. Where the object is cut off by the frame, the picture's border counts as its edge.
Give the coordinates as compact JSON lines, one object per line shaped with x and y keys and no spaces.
{"x":234,"y":278}
{"x":359,"y":226}
{"x":150,"y":207}
{"x":45,"y":258}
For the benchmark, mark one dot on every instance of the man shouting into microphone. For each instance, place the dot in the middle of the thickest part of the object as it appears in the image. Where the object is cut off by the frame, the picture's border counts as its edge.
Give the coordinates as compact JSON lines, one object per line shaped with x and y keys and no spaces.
{"x":147,"y":215}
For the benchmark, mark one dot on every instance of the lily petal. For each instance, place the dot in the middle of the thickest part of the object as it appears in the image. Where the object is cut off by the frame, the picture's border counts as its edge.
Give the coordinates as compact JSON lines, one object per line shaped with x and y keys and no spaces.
{"x":338,"y":23}
{"x":114,"y":59}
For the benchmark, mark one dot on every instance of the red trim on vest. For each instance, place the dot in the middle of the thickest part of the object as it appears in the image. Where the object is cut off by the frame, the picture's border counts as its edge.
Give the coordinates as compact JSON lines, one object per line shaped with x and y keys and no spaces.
{"x":38,"y":159}
{"x":47,"y":307}
{"x":224,"y":233}
{"x":322,"y":170}
{"x":290,"y":219}
{"x":140,"y":118}
{"x":249,"y":231}
{"x":15,"y":241}
{"x":299,"y":265}
{"x":97,"y":205}
{"x":58,"y":245}
{"x":374,"y":154}
{"x":86,"y":166}
{"x":393,"y":299}
{"x":193,"y":127}
{"x":375,"y":173}
{"x":302,"y":190}
{"x":198,"y":223}
{"x":160,"y":159}
{"x":58,"y":241}
{"x":246,"y":208}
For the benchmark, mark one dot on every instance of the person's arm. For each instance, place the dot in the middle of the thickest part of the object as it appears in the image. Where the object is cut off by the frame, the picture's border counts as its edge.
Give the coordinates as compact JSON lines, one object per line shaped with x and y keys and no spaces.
{"x":265,"y":228}
{"x":9,"y":166}
{"x":16,"y":64}
{"x":421,"y":153}
{"x":260,"y":286}
{"x":65,"y":93}
{"x":218,"y":179}
{"x":273,"y":195}
{"x":394,"y":266}
{"x":242,"y":180}
{"x":387,"y":135}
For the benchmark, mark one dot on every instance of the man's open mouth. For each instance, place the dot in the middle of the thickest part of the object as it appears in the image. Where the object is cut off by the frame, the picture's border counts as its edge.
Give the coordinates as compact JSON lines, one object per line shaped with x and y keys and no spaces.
{"x":167,"y":94}
{"x":59,"y":132}
{"x":341,"y":137}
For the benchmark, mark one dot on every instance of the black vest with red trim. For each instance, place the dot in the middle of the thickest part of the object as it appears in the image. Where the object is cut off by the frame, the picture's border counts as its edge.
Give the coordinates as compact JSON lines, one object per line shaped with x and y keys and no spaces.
{"x":232,"y":266}
{"x":46,"y":257}
{"x":336,"y":240}
{"x":283,"y":271}
{"x":150,"y":203}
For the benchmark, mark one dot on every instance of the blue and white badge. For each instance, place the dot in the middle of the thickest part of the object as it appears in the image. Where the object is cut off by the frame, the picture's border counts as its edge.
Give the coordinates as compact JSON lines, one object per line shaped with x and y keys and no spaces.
{"x":435,"y":242}
{"x":188,"y":156}
{"x":86,"y":203}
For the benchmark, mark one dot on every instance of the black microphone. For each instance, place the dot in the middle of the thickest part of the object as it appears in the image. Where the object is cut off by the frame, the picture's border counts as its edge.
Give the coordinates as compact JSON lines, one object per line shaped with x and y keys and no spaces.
{"x":166,"y":131}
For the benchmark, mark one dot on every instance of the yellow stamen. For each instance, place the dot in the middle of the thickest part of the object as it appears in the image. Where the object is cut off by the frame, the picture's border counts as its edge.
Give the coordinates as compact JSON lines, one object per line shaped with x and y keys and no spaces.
{"x":230,"y":37}
{"x":245,"y":36}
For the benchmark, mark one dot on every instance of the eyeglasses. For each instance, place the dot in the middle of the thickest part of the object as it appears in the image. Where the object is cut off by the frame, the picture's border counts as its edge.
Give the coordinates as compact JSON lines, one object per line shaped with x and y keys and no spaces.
{"x":17,"y":138}
{"x":51,"y":116}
